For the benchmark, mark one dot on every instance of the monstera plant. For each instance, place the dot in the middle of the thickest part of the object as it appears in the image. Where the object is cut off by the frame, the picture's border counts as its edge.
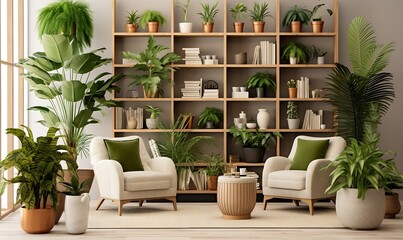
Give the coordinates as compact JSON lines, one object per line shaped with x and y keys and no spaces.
{"x":65,"y":79}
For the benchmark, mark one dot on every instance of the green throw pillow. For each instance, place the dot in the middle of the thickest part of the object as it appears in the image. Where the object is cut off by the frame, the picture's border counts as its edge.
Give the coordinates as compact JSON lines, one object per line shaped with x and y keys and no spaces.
{"x":126,"y":152}
{"x":307,"y":151}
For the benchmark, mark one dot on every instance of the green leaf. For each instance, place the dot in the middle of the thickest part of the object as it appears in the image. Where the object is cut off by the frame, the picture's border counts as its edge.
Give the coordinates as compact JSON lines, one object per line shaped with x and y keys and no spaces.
{"x":81,"y":120}
{"x":57,"y":48}
{"x":73,"y":91}
{"x":84,"y":63}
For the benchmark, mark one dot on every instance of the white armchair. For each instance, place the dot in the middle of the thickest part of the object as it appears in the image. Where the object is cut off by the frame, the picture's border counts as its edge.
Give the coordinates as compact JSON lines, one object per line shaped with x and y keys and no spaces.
{"x":307,"y":186}
{"x":157,"y":181}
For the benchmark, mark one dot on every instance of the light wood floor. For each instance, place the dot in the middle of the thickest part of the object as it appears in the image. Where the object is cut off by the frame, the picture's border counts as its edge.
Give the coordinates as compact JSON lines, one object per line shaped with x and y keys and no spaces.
{"x":390,"y":229}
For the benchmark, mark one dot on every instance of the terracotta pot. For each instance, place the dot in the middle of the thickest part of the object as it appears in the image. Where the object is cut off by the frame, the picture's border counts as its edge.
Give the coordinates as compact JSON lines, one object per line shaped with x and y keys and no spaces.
{"x":208,"y":27}
{"x":292,"y":92}
{"x":258,"y":27}
{"x":37,"y":220}
{"x":131,"y":27}
{"x":317,"y":26}
{"x":153,"y":26}
{"x":212,"y":182}
{"x":392,"y":205}
{"x":238,"y":27}
{"x":296,"y":26}
{"x":149,"y":94}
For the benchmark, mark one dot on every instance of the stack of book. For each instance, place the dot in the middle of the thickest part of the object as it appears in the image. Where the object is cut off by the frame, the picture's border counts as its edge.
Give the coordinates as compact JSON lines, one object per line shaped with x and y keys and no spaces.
{"x":303,"y":88}
{"x":192,"y":89}
{"x":192,"y":56}
{"x":268,"y":50}
{"x":312,"y":120}
{"x":210,"y":93}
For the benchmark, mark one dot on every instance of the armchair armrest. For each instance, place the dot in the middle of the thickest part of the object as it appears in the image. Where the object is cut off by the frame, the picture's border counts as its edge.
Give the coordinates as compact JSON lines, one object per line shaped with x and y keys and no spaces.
{"x":165,"y":165}
{"x":273,"y":164}
{"x":318,"y":177}
{"x":109,"y":174}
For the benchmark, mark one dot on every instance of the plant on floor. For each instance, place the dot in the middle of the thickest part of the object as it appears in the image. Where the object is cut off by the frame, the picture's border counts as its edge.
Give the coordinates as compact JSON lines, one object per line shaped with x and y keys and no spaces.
{"x":73,"y":19}
{"x":295,"y":52}
{"x":210,"y":114}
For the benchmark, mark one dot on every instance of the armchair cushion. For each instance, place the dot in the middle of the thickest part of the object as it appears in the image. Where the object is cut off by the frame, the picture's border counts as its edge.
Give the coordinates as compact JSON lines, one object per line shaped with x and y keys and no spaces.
{"x":146,"y":181}
{"x":287,"y":179}
{"x":126,"y":152}
{"x":307,"y":151}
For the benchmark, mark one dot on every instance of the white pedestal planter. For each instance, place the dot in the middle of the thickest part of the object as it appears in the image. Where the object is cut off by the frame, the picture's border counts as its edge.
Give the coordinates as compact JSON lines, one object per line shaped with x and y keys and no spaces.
{"x":185,"y":27}
{"x":77,"y":209}
{"x":356,"y":213}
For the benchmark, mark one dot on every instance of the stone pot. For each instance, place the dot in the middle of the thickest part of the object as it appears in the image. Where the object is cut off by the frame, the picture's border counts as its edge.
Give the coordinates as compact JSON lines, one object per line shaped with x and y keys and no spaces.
{"x":152,"y":123}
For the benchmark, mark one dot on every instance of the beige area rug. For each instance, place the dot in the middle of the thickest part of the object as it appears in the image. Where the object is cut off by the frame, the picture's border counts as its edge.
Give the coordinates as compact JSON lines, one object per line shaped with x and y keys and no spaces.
{"x":208,"y":215}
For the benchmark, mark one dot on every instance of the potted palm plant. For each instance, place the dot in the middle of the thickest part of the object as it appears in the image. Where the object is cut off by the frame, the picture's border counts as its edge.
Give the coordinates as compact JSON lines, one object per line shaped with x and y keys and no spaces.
{"x":318,"y":54}
{"x":185,"y":26}
{"x":254,"y":142}
{"x":259,"y":81}
{"x":210,"y":117}
{"x":70,"y":18}
{"x":207,"y":15}
{"x":238,"y":12}
{"x":316,"y":17}
{"x":215,"y":168}
{"x":132,"y":21}
{"x":152,"y":121}
{"x":154,"y":66}
{"x":152,"y":20}
{"x":292,"y":115}
{"x":38,"y":165}
{"x":296,"y":52}
{"x":258,"y":14}
{"x":295,"y":17}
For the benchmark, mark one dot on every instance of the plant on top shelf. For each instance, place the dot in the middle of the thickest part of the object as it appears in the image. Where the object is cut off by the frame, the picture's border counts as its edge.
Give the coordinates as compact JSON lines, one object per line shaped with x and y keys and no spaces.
{"x":155,"y":68}
{"x":292,"y":88}
{"x":185,"y":26}
{"x":152,"y":19}
{"x":318,"y":54}
{"x":296,"y":52}
{"x":259,"y":81}
{"x":207,"y":15}
{"x":238,"y":13}
{"x":210,"y":117}
{"x":292,"y":115}
{"x":295,"y":17}
{"x":132,"y":21}
{"x":316,"y":17}
{"x":215,"y":168}
{"x":152,"y":121}
{"x":258,"y":14}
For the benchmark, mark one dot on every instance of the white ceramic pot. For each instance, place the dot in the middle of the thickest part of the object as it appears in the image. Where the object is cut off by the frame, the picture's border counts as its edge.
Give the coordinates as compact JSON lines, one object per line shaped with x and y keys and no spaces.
{"x":293,"y":123}
{"x":209,"y":125}
{"x":185,"y":27}
{"x":151,"y":123}
{"x":356,"y":213}
{"x":293,"y":60}
{"x":263,"y":119}
{"x":77,"y":209}
{"x":321,"y":60}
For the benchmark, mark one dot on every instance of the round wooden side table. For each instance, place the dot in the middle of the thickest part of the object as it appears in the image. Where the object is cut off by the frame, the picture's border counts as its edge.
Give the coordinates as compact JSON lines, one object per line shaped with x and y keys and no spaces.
{"x":236,"y":197}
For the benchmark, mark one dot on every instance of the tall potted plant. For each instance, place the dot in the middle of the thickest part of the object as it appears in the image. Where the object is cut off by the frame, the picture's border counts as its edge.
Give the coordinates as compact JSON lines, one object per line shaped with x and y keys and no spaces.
{"x":238,"y":12}
{"x":258,"y":14}
{"x":185,"y":26}
{"x":70,"y":18}
{"x":154,"y":66}
{"x":259,"y":81}
{"x":295,"y":17}
{"x":207,"y":15}
{"x":38,"y":165}
{"x":152,"y":20}
{"x":316,"y":17}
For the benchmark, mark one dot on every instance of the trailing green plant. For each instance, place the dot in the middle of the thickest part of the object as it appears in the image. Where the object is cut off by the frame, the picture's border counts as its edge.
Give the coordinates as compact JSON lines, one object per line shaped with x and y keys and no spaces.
{"x":64,"y":78}
{"x":151,"y":16}
{"x":210,"y":114}
{"x":291,"y":83}
{"x":295,"y":50}
{"x":154,"y":111}
{"x":296,"y":13}
{"x":259,"y":12}
{"x":74,"y":187}
{"x":155,"y":69}
{"x":317,"y":52}
{"x":38,"y":165}
{"x":261,"y":80}
{"x":73,"y":19}
{"x":132,"y":17}
{"x":253,"y":138}
{"x":317,"y":15}
{"x":292,"y":112}
{"x":215,"y":165}
{"x":238,"y":12}
{"x":209,"y":12}
{"x":361,"y":165}
{"x":351,"y":93}
{"x":184,"y":7}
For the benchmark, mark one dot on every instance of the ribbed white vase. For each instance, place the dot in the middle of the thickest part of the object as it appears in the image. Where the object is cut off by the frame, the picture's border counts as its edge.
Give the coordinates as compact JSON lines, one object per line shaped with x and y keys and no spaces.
{"x":263,"y":118}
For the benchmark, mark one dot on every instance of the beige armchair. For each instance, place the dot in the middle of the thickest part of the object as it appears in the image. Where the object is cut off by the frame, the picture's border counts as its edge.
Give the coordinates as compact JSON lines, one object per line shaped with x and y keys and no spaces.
{"x":300,"y":185}
{"x":157,"y":181}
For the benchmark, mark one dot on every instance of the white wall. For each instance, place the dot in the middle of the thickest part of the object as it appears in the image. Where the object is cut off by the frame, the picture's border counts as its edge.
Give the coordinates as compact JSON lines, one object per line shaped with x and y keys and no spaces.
{"x":379,"y":13}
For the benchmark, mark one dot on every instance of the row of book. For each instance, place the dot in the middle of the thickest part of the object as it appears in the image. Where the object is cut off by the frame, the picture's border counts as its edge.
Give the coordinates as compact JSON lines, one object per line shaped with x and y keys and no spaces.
{"x":192,"y":56}
{"x":122,"y":116}
{"x":303,"y":87}
{"x":312,"y":120}
{"x":192,"y":89}
{"x":265,"y":53}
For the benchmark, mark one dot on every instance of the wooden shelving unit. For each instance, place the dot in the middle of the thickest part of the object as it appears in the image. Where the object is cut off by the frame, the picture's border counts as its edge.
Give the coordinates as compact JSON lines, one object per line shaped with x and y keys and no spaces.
{"x":223,"y":43}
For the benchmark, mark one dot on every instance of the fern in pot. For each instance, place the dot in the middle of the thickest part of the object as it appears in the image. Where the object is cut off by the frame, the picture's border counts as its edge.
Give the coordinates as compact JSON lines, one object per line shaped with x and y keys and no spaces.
{"x":152,"y":20}
{"x":215,"y":168}
{"x":210,"y":117}
{"x":260,"y":81}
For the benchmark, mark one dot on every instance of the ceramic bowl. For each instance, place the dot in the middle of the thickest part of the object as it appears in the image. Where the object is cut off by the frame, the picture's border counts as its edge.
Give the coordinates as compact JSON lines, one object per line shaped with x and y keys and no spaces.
{"x":251,"y":125}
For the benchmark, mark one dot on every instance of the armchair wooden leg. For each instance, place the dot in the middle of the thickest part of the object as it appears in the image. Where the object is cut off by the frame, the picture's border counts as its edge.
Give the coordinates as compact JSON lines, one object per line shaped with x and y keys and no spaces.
{"x":333,"y":200}
{"x":265,"y":200}
{"x":120,"y":206}
{"x":173,"y":199}
{"x":101,"y":200}
{"x":141,"y":203}
{"x":296,"y":202}
{"x":310,"y":203}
